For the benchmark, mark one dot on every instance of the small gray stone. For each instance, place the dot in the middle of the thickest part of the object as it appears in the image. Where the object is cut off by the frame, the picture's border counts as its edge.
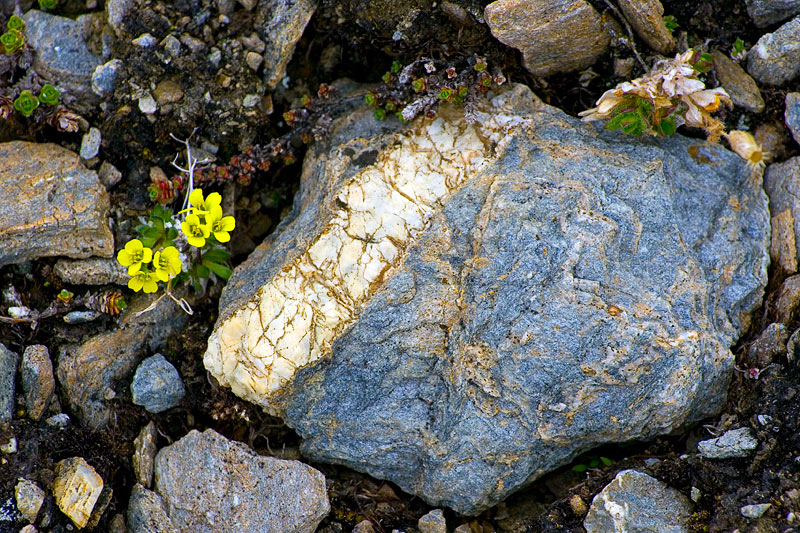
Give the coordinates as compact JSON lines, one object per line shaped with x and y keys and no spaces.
{"x":215,"y":57}
{"x":553,"y":35}
{"x":771,"y":343}
{"x":782,"y":184}
{"x":157,"y":386}
{"x":8,"y":445}
{"x":365,"y":526}
{"x":775,"y":59}
{"x":117,"y":11}
{"x":740,"y":86}
{"x":250,"y":100}
{"x":52,"y":205}
{"x":233,"y":489}
{"x":254,"y":44}
{"x":87,"y":372}
{"x":109,"y":175}
{"x":30,"y":498}
{"x":90,"y":144}
{"x":433,"y":522}
{"x":768,"y":12}
{"x":38,"y":382}
{"x":755,"y":510}
{"x":788,"y":299}
{"x":792,"y":114}
{"x":734,"y":443}
{"x":637,"y":503}
{"x":104,"y":77}
{"x":193,"y":43}
{"x":61,"y":51}
{"x":92,"y":271}
{"x":254,"y":60}
{"x":145,"y":40}
{"x":59,"y":421}
{"x":172,"y":45}
{"x":283,"y":26}
{"x":147,"y":512}
{"x":147,"y":104}
{"x":144,"y":453}
{"x":8,"y":370}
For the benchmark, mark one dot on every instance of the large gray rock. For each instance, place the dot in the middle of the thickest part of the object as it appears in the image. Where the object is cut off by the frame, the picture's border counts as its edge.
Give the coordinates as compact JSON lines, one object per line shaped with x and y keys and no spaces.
{"x":471,"y":306}
{"x":280,"y":25}
{"x":775,"y":59}
{"x":52,"y":205}
{"x":553,"y":35}
{"x":766,"y":12}
{"x":637,"y":503}
{"x":233,"y":489}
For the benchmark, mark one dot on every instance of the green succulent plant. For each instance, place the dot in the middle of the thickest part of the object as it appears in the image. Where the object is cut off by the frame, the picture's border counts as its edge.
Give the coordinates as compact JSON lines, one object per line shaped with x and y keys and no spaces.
{"x":26,"y":103}
{"x":49,"y":94}
{"x":12,"y":40}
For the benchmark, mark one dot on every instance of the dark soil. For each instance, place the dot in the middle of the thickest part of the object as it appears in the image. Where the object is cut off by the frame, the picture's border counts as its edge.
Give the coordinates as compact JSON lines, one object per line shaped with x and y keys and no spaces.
{"x":355,"y":39}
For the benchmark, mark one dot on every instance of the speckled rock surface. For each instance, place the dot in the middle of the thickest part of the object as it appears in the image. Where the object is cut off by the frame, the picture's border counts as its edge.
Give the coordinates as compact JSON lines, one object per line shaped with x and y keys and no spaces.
{"x":62,"y":55}
{"x":233,"y":489}
{"x":157,"y":386}
{"x":282,"y":26}
{"x":76,"y":489}
{"x":550,"y":287}
{"x":92,"y":271}
{"x":88,"y":373}
{"x":8,"y":372}
{"x":792,"y":114}
{"x":147,"y":513}
{"x":52,"y":205}
{"x":767,"y":12}
{"x":775,"y":58}
{"x":38,"y":382}
{"x":739,"y":85}
{"x":647,"y":18}
{"x":637,"y":503}
{"x":734,"y":443}
{"x":782,"y":183}
{"x":553,"y":35}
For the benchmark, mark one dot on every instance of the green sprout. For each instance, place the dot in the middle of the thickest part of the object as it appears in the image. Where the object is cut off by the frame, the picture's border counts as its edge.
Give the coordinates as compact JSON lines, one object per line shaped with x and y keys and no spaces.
{"x":463,"y":91}
{"x":446,"y":94}
{"x":390,"y":106}
{"x":738,"y":52}
{"x":12,"y":41}
{"x":370,"y":99}
{"x":671,"y":23}
{"x":701,"y":62}
{"x":419,"y":85}
{"x":379,"y":113}
{"x":48,"y":4}
{"x":49,"y":94}
{"x":26,"y":103}
{"x":396,"y":66}
{"x":387,"y":77}
{"x":480,"y":65}
{"x":15,"y":23}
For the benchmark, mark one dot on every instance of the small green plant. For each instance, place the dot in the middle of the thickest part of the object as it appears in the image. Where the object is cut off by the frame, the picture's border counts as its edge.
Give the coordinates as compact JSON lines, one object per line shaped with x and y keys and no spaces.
{"x":446,"y":94}
{"x":26,"y":103}
{"x":738,"y":52}
{"x":379,"y":113}
{"x":15,"y":23}
{"x":49,"y":94}
{"x":12,"y":40}
{"x":48,"y":4}
{"x":671,"y":23}
{"x":593,"y":462}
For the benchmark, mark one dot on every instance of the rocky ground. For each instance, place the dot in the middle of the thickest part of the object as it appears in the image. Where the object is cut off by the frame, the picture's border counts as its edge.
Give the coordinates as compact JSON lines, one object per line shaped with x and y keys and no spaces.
{"x":103,"y":410}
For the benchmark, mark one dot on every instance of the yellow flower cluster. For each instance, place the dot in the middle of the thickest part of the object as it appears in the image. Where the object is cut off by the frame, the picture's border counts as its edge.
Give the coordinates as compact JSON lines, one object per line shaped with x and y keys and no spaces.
{"x":206,"y":219}
{"x":165,"y":263}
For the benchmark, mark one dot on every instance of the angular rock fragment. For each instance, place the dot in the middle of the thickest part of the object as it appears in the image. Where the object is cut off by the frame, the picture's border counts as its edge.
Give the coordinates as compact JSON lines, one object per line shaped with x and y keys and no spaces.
{"x":782,"y":183}
{"x":8,"y":372}
{"x":76,"y":488}
{"x":766,"y":12}
{"x":636,"y":502}
{"x":30,"y":498}
{"x":233,"y":489}
{"x":92,"y":271}
{"x":147,"y":513}
{"x":281,"y":25}
{"x":734,"y":443}
{"x":157,"y":386}
{"x":38,"y":382}
{"x":737,"y":83}
{"x":647,"y":18}
{"x":553,"y":35}
{"x":460,"y":308}
{"x":52,"y":205}
{"x":792,"y":115}
{"x":144,"y":454}
{"x":775,"y":59}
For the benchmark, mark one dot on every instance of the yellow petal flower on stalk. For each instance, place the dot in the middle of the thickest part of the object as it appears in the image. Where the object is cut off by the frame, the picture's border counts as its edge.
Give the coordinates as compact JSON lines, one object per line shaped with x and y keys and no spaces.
{"x":196,"y":232}
{"x":219,"y":225}
{"x":143,"y":280}
{"x":167,"y":263}
{"x":134,"y":255}
{"x":202,"y":206}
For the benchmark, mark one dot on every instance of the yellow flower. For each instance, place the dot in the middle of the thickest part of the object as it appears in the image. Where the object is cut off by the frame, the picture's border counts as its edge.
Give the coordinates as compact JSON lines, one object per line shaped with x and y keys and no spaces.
{"x":134,"y":255}
{"x":219,"y":225}
{"x":196,"y":232}
{"x":201,"y":206}
{"x":143,"y":280}
{"x":167,"y":263}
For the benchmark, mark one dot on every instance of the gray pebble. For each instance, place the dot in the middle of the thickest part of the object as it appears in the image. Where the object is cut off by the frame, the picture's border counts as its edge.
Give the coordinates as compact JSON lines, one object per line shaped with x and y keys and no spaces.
{"x":432,"y":522}
{"x":90,"y":144}
{"x":38,"y":382}
{"x":104,"y":77}
{"x":734,"y":443}
{"x":157,"y":386}
{"x":8,"y":369}
{"x":775,"y":59}
{"x":755,"y":510}
{"x":793,"y":114}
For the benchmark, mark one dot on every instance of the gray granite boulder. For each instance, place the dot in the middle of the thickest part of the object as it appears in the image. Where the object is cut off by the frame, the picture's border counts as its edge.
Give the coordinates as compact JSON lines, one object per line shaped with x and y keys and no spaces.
{"x":637,"y":503}
{"x":461,"y":308}
{"x":775,"y":58}
{"x":209,"y":483}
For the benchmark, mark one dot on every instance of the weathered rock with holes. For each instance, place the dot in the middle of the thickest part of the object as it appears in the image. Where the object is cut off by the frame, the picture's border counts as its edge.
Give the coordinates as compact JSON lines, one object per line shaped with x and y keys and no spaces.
{"x":52,"y":205}
{"x":460,"y":308}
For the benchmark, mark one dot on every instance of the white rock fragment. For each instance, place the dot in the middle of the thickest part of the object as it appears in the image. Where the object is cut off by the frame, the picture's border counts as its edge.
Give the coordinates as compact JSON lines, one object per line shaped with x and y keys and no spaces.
{"x":147,"y":104}
{"x":29,"y":499}
{"x":293,"y":319}
{"x":734,"y":443}
{"x":76,"y":489}
{"x":755,"y":510}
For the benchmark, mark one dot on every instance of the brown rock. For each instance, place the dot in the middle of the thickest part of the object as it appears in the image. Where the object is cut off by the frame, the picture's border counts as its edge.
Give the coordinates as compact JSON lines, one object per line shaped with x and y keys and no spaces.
{"x":553,"y":35}
{"x":782,"y":183}
{"x":283,"y":26}
{"x":38,"y":383}
{"x":144,"y":454}
{"x":646,"y":17}
{"x":739,"y":84}
{"x":52,"y":205}
{"x":168,"y":92}
{"x":788,"y":299}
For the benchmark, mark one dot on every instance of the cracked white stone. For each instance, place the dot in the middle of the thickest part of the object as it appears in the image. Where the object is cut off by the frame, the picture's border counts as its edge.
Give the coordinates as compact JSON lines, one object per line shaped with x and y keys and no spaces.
{"x":292,"y":320}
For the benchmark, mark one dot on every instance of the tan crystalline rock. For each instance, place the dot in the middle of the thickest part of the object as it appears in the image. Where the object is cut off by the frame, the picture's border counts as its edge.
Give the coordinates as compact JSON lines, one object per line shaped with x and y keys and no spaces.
{"x":292,"y":320}
{"x":76,"y":489}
